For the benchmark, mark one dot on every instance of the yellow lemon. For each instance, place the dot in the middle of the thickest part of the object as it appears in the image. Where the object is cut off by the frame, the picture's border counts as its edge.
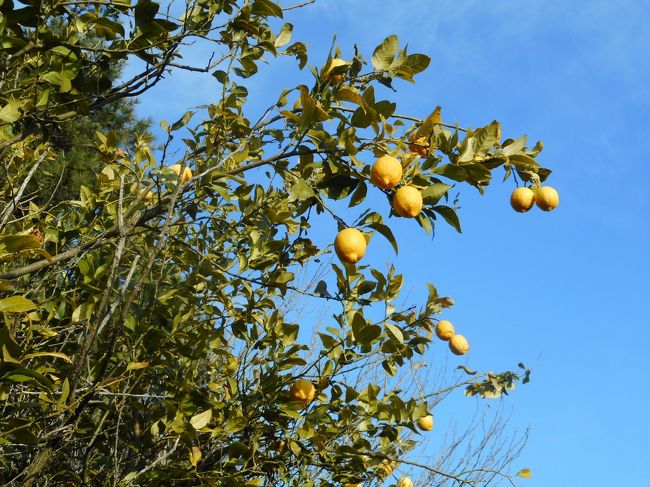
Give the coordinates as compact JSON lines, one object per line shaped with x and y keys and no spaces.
{"x":458,"y":345}
{"x":350,"y":245}
{"x":522,"y":199}
{"x":405,"y":482}
{"x":187,"y":172}
{"x":302,"y":390}
{"x":407,"y":202}
{"x":335,"y":79}
{"x":425,"y":423}
{"x":547,"y":198}
{"x":444,"y":330}
{"x":386,"y":172}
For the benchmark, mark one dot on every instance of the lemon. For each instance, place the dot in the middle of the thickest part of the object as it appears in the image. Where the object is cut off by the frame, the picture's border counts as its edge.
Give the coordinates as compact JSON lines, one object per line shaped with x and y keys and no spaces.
{"x":407,"y":202}
{"x":187,"y":172}
{"x":444,"y":330}
{"x":425,"y":423}
{"x":386,"y":172}
{"x":302,"y":390}
{"x":405,"y":482}
{"x":458,"y":345}
{"x":522,"y":199}
{"x":350,"y":245}
{"x":547,"y":198}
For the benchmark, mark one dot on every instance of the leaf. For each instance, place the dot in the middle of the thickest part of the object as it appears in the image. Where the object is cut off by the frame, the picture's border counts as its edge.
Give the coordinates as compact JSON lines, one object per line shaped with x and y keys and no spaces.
{"x":432,"y":194}
{"x":466,"y":370}
{"x":387,"y":233}
{"x":16,"y":304}
{"x":384,"y":53}
{"x":418,"y":62}
{"x":396,"y":332}
{"x":137,"y":365}
{"x":195,"y":455}
{"x":266,"y":8}
{"x":450,"y":216}
{"x":284,"y":36}
{"x":60,"y":355}
{"x":515,"y":146}
{"x":10,"y":112}
{"x":201,"y":420}
{"x":452,"y":171}
{"x":524,"y":473}
{"x":12,"y":244}
{"x":431,"y":121}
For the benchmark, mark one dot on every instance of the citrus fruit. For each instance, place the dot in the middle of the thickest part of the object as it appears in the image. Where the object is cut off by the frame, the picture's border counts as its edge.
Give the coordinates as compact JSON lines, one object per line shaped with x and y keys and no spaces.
{"x":425,"y":423}
{"x":444,"y":330}
{"x":334,"y":78}
{"x":458,"y":345}
{"x":407,"y":202}
{"x":386,"y":172}
{"x":302,"y":390}
{"x":350,"y":245}
{"x":522,"y":199}
{"x":547,"y":198}
{"x":187,"y":172}
{"x":405,"y":482}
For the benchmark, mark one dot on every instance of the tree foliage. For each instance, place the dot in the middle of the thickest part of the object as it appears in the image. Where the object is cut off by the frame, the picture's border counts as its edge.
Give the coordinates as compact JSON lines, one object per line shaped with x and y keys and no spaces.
{"x":144,"y":338}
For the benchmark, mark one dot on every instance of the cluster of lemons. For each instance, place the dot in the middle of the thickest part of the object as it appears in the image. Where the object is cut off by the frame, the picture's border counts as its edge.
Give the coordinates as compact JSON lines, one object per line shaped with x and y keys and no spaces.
{"x":386,"y":173}
{"x":457,"y":343}
{"x":545,"y":197}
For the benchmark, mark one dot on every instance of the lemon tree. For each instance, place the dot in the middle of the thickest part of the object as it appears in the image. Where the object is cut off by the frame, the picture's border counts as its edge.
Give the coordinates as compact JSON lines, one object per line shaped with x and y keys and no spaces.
{"x":144,"y":333}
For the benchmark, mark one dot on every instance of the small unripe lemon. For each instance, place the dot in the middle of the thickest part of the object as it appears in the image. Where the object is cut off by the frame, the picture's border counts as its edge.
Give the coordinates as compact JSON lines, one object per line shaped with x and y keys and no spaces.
{"x":407,"y":202}
{"x":405,"y":482}
{"x":303,"y":390}
{"x":420,"y":146}
{"x":444,"y":330}
{"x":547,"y":198}
{"x":350,"y":245}
{"x":187,"y":172}
{"x":458,"y":345}
{"x":386,"y":172}
{"x":522,"y":199}
{"x":425,"y":423}
{"x":334,"y":78}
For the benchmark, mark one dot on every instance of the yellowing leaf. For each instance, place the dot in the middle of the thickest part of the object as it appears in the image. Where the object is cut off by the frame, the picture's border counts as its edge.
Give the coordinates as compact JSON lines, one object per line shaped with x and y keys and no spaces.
{"x":195,"y":455}
{"x":137,"y":365}
{"x":427,"y":126}
{"x":524,"y":473}
{"x":16,"y":304}
{"x":201,"y":420}
{"x":60,"y":355}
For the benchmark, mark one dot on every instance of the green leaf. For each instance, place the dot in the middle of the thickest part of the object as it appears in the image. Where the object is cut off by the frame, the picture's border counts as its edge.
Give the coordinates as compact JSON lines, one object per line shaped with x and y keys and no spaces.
{"x":417,"y":62}
{"x":12,"y":244}
{"x":368,"y":334}
{"x":386,"y":232}
{"x":452,"y":171}
{"x":385,"y":52}
{"x":201,"y":420}
{"x":395,"y":331}
{"x":16,"y":304}
{"x":284,"y":36}
{"x":10,"y":112}
{"x":266,"y":8}
{"x":432,"y":194}
{"x":450,"y":216}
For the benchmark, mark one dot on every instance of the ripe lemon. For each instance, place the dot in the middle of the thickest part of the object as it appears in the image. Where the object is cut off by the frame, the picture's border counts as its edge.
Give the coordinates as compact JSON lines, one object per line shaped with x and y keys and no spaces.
{"x":187,"y":172}
{"x":405,"y":482}
{"x":522,"y":199}
{"x":303,"y":390}
{"x":444,"y":330}
{"x":458,"y":345}
{"x":350,"y":245}
{"x":335,"y":79}
{"x":419,"y":146}
{"x":425,"y":423}
{"x":407,"y":202}
{"x":547,"y":198}
{"x":386,"y":172}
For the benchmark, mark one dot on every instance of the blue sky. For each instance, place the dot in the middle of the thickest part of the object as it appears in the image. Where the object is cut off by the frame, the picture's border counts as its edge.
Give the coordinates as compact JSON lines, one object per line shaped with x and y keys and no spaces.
{"x":565,"y":292}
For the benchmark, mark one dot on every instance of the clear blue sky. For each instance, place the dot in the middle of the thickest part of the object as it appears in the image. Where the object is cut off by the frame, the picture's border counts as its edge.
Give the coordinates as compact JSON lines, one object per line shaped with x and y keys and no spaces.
{"x":566,"y":292}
